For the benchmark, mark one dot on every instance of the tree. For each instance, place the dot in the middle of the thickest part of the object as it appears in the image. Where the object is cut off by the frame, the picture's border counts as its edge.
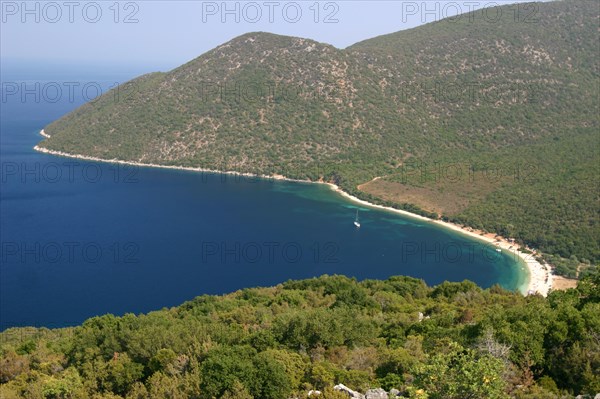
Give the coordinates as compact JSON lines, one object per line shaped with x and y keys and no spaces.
{"x":68,"y":386}
{"x":294,"y":364}
{"x":237,"y":391}
{"x":223,"y":367}
{"x":460,"y":374}
{"x":321,"y":376}
{"x":162,"y":359}
{"x":164,"y":386}
{"x":12,"y":365}
{"x":122,"y":372}
{"x":272,"y":381}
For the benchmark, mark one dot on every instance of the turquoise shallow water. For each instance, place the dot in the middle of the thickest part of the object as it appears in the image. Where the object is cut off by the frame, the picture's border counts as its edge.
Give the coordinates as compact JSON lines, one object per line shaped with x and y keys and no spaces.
{"x":83,"y":238}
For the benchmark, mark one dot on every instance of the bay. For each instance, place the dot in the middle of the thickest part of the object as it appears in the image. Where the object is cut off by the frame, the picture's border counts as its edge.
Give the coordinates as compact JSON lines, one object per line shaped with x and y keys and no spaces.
{"x":84,"y":238}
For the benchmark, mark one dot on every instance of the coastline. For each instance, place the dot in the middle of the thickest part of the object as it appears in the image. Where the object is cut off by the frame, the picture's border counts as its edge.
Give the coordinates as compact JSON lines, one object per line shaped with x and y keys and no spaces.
{"x":539,"y":278}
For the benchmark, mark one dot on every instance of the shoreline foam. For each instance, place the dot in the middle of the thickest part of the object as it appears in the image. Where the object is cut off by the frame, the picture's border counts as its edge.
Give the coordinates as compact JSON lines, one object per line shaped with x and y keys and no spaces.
{"x":539,"y":276}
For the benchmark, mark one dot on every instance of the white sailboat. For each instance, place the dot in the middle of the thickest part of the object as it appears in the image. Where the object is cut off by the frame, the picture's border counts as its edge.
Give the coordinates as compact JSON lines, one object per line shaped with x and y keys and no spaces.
{"x":356,"y":222}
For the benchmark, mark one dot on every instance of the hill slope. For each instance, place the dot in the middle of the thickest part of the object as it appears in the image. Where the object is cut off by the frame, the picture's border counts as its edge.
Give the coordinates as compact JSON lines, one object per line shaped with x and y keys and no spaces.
{"x":491,"y":124}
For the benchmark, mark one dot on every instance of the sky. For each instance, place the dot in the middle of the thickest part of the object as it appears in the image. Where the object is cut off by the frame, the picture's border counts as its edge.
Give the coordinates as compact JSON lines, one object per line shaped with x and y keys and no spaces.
{"x":158,"y":35}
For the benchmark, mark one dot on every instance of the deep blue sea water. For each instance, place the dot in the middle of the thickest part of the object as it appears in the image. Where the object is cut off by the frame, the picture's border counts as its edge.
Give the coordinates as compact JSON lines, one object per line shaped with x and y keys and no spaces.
{"x":80,"y":239}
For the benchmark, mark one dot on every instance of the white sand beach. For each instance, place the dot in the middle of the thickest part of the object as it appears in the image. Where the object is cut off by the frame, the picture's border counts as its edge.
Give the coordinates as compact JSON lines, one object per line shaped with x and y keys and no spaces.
{"x":540,"y":276}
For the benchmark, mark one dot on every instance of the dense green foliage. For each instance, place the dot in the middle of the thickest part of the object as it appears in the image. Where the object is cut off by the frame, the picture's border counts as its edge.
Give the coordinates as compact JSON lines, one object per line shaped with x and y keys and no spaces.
{"x":451,"y":341}
{"x":517,"y":94}
{"x":572,"y":267}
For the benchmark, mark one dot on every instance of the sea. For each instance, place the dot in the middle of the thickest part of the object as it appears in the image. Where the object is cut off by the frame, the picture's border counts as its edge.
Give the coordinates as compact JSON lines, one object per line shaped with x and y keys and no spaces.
{"x":80,"y":239}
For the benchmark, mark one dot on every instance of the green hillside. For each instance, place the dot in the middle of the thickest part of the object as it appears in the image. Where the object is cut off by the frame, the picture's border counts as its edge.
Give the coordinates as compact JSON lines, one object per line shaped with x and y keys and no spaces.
{"x":453,"y":341}
{"x":515,"y":102}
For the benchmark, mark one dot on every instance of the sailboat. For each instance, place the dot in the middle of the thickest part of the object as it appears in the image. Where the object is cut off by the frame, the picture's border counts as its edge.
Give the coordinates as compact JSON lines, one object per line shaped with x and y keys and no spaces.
{"x":356,"y":222}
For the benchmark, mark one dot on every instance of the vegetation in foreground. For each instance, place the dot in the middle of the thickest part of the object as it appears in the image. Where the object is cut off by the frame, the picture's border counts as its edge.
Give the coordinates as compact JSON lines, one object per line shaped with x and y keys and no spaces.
{"x":454,"y":340}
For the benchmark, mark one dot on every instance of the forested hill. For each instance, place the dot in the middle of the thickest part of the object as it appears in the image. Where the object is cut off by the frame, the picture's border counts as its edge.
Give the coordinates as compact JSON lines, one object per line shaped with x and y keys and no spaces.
{"x":453,"y":341}
{"x":488,"y":120}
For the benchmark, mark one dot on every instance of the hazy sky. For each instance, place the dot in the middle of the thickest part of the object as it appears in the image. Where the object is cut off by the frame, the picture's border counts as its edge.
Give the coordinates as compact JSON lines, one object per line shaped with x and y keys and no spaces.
{"x":160,"y":35}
